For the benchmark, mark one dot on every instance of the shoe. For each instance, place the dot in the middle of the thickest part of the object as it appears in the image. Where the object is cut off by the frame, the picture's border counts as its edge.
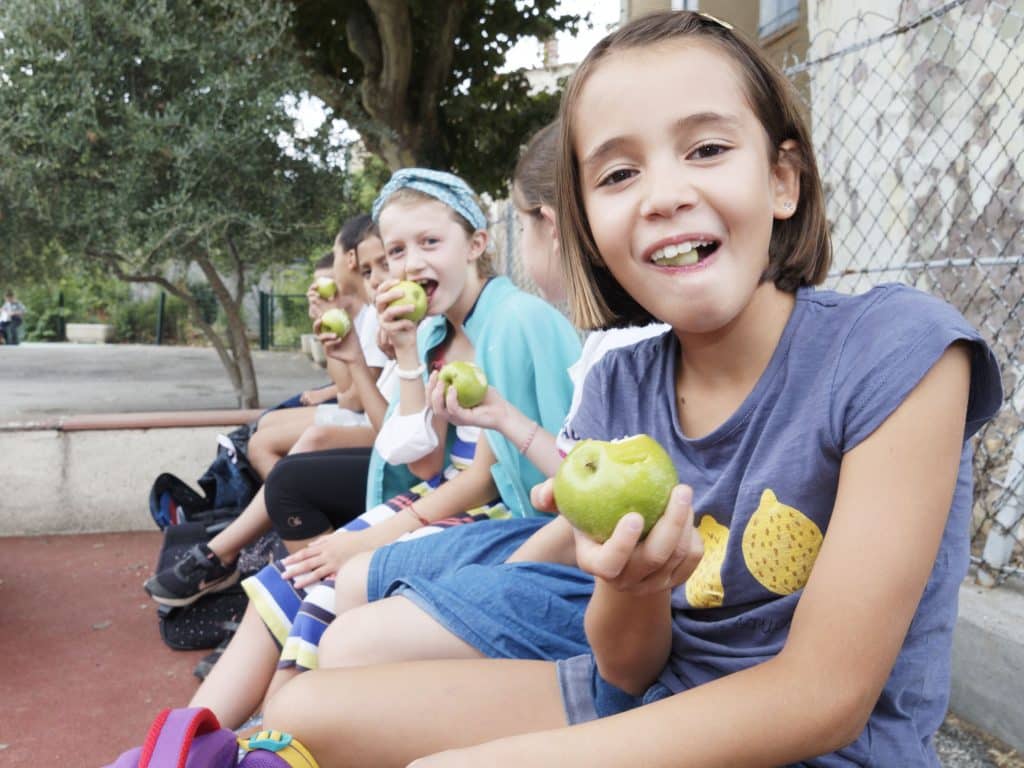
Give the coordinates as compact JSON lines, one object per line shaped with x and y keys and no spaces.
{"x":198,"y":573}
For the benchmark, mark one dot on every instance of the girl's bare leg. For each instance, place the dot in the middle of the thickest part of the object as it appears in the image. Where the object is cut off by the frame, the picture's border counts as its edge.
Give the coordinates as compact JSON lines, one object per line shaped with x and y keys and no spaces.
{"x":281,"y":676}
{"x":238,"y":682}
{"x":390,"y":630}
{"x":275,"y":436}
{"x":389,"y":715}
{"x":320,"y":437}
{"x":252,"y":523}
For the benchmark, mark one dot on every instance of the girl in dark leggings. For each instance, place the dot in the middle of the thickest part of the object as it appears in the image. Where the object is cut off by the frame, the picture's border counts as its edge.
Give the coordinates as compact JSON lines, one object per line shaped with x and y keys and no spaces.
{"x":309,"y":494}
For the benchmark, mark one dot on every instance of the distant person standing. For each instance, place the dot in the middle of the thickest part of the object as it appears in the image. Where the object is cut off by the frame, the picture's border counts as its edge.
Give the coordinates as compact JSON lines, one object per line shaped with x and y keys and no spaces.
{"x":11,"y":314}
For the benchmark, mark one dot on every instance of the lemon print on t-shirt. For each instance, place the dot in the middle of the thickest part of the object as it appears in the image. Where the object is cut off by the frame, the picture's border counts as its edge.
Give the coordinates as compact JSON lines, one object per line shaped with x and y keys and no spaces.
{"x":780,"y":544}
{"x":704,"y":587}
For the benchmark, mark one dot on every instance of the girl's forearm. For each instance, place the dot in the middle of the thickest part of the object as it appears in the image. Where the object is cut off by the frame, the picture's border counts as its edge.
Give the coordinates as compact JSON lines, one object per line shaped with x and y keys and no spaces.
{"x":551,"y":544}
{"x":769,"y":715}
{"x":472,"y":488}
{"x":630,"y":634}
{"x":339,"y":373}
{"x":522,"y":432}
{"x":374,"y":405}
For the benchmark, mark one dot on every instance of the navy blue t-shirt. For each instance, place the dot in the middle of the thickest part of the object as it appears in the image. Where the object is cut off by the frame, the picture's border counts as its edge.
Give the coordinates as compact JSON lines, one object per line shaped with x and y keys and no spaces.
{"x":765,"y":483}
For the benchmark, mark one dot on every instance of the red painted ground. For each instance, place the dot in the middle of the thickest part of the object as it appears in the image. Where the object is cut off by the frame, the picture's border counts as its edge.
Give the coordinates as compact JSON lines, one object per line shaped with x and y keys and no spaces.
{"x":83,"y":668}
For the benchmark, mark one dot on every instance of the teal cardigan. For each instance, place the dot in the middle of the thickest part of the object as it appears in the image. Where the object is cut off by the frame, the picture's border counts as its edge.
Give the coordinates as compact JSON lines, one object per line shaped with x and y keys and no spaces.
{"x":524,"y":346}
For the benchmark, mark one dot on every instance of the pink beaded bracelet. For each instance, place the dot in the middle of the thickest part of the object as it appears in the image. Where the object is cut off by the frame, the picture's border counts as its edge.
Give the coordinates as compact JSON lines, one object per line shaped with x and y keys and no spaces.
{"x":529,"y":439}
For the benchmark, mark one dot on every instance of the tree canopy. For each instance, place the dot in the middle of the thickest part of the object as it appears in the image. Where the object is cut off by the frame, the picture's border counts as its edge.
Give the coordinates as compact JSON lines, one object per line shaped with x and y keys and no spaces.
{"x":420,"y":79}
{"x":142,"y":140}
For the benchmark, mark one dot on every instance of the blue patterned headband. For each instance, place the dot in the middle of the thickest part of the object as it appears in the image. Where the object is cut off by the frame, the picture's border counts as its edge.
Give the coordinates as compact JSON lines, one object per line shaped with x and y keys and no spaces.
{"x":446,"y":187}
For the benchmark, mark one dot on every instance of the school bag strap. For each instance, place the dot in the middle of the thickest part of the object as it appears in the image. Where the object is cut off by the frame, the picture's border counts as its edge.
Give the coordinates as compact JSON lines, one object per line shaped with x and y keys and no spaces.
{"x":183,"y":738}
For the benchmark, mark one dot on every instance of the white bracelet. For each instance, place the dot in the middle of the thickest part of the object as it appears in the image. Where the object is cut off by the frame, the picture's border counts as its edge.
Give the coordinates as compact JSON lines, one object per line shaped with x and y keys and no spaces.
{"x":415,"y":373}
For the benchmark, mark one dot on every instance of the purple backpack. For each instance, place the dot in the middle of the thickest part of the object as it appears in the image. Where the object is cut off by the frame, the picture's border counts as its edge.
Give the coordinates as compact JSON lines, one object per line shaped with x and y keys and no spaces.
{"x":183,"y":738}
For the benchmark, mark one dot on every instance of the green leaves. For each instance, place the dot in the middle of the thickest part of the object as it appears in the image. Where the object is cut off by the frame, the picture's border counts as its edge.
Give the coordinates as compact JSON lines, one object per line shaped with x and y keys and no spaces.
{"x":468,"y":117}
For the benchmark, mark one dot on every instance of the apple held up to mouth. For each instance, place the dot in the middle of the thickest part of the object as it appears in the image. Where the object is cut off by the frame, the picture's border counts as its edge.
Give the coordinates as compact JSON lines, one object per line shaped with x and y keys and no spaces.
{"x":600,"y":482}
{"x":469,"y":382}
{"x":414,"y":297}
{"x":326,"y":288}
{"x":335,"y":321}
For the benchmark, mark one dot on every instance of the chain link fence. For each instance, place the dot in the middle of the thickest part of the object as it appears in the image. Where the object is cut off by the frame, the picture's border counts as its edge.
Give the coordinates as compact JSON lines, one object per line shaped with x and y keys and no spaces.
{"x":917,"y":127}
{"x":916,"y":120}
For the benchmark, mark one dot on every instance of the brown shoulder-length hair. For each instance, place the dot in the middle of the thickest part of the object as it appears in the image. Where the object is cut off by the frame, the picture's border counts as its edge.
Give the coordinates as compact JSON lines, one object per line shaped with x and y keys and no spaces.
{"x":533,"y":183}
{"x":800,"y":250}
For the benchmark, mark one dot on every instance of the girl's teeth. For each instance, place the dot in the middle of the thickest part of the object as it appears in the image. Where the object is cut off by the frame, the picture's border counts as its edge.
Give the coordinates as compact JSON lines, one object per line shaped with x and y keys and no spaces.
{"x":682,"y":255}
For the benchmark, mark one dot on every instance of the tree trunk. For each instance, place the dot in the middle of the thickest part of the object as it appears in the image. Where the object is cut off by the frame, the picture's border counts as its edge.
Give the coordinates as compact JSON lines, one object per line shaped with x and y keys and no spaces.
{"x":246,"y":388}
{"x":238,"y":366}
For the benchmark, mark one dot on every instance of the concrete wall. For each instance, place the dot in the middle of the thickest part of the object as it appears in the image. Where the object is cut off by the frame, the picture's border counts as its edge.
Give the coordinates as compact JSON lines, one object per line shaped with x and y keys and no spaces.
{"x":93,"y":481}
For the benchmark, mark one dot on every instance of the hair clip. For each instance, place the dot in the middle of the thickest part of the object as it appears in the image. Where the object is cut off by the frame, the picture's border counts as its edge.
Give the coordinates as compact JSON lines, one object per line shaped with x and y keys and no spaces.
{"x":719,"y":22}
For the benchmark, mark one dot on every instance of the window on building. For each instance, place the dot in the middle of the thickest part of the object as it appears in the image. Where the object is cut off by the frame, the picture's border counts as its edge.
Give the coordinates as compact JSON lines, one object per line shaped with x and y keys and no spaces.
{"x":685,"y":5}
{"x":777,"y":14}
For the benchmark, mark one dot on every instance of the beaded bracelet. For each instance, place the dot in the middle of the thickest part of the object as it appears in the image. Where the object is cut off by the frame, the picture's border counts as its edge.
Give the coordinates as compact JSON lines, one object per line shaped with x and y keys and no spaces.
{"x":417,"y":516}
{"x":529,"y":440}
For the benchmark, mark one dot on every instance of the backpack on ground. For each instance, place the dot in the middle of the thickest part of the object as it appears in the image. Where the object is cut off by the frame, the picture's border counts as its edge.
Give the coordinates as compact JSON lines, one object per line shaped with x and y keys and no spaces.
{"x":213,"y":618}
{"x":184,"y":738}
{"x":228,"y":485}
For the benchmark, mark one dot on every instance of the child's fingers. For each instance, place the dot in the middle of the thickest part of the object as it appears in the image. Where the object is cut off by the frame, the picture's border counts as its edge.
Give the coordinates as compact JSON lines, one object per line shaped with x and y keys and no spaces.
{"x":609,"y":560}
{"x":664,"y":538}
{"x":542,"y":497}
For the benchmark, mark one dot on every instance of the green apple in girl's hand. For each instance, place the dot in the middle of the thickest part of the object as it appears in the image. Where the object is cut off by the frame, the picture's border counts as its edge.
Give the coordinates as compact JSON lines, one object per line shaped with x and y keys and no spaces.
{"x":414,"y":297}
{"x":469,"y":382}
{"x":335,"y":321}
{"x":326,"y":287}
{"x":600,"y":482}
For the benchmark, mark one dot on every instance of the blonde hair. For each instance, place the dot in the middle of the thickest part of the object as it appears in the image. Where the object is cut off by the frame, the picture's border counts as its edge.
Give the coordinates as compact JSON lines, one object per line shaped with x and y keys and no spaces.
{"x":485,"y":261}
{"x":800,"y":250}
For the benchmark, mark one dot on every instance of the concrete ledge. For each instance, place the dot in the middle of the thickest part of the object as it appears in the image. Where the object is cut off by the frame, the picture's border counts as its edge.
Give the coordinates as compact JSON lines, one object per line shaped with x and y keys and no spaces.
{"x":988,"y":661}
{"x":92,"y":474}
{"x":89,"y":333}
{"x":146,"y":420}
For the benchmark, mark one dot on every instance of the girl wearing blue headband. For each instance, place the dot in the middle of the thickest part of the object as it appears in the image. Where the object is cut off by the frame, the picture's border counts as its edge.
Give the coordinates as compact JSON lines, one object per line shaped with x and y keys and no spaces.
{"x":434,"y":233}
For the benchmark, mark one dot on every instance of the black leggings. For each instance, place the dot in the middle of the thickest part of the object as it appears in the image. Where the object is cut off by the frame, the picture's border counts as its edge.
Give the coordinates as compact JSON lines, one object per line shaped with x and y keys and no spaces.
{"x":310,"y":493}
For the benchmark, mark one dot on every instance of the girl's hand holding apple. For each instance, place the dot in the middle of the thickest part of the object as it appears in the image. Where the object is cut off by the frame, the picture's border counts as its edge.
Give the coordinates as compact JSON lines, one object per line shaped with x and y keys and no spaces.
{"x":492,"y":413}
{"x":663,"y":560}
{"x":344,"y":348}
{"x":393,"y":319}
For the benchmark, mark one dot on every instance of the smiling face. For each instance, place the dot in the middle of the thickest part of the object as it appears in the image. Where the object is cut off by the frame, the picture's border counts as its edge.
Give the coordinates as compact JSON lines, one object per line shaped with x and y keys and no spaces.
{"x":424,"y":242}
{"x":372,"y":264}
{"x":677,"y":183}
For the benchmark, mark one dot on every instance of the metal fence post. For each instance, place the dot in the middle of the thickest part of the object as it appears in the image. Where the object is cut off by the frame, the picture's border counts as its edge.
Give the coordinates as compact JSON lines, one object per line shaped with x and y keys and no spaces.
{"x":264,"y":336}
{"x":160,"y":318}
{"x":1001,"y":539}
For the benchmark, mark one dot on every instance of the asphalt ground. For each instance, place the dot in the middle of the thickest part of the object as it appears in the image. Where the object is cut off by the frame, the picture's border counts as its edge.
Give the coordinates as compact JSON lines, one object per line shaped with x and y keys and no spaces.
{"x":40,"y":381}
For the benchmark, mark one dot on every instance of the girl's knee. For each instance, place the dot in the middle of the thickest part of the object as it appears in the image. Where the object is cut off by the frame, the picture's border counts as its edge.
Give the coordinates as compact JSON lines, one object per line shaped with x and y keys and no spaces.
{"x":314,"y":438}
{"x":351,"y":583}
{"x":355,"y":639}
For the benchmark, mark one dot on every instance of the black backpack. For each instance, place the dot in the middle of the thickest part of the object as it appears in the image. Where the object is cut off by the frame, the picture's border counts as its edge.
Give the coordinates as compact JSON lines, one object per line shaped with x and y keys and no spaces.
{"x":214,"y":617}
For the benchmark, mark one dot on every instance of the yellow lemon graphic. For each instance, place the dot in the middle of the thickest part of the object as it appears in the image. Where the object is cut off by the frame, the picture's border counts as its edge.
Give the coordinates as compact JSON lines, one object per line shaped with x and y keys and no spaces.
{"x":704,"y":587}
{"x":780,"y":545}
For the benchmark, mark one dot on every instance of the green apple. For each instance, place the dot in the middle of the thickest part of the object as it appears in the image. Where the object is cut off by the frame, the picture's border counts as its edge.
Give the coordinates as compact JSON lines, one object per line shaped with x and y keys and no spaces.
{"x":335,"y":321}
{"x":469,"y":382}
{"x":326,"y":287}
{"x":414,"y":297}
{"x":599,"y":482}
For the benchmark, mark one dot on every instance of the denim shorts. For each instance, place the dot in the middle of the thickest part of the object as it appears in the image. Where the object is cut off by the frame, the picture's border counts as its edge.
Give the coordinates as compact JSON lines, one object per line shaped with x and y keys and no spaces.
{"x":588,"y":696}
{"x":504,"y":610}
